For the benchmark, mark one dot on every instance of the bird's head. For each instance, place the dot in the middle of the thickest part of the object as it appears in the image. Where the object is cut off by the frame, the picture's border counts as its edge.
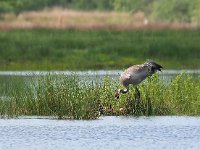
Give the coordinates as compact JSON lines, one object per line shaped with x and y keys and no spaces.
{"x":117,"y":93}
{"x":153,"y":67}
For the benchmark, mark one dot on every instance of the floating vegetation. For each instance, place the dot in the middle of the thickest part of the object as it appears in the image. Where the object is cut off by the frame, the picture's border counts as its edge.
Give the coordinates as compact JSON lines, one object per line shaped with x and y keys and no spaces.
{"x":69,"y":97}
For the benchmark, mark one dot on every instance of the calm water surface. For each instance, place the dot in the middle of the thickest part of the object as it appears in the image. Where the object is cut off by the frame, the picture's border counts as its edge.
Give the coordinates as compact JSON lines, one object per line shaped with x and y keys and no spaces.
{"x":113,"y":133}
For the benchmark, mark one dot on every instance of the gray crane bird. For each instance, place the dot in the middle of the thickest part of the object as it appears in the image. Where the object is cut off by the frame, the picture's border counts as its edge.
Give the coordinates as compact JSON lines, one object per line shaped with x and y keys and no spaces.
{"x":136,"y":74}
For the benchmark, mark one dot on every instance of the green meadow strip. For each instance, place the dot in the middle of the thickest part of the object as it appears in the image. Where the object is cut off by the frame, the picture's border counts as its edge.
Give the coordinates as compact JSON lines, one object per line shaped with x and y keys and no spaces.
{"x":45,"y":49}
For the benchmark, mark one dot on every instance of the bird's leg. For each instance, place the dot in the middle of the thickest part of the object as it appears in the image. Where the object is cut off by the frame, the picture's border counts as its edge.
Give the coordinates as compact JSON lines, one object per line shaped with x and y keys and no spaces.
{"x":123,"y":91}
{"x":137,"y":100}
{"x":137,"y":94}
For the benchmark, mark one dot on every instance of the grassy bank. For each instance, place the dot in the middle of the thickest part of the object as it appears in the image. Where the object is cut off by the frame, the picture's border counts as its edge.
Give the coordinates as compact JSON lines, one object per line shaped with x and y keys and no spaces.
{"x":43,"y":49}
{"x":69,"y":97}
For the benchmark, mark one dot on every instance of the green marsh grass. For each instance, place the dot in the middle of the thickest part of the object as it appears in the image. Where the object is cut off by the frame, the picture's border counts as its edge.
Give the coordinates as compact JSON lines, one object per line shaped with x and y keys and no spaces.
{"x":67,"y":97}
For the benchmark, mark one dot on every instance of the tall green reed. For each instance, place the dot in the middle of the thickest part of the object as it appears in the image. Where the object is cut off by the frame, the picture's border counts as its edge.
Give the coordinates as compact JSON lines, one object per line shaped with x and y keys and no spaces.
{"x":70,"y":97}
{"x":54,"y":95}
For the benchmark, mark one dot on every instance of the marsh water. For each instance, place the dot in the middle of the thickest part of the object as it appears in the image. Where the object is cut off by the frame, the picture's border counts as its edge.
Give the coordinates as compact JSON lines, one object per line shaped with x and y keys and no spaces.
{"x":88,"y":76}
{"x":109,"y":132}
{"x":93,"y":73}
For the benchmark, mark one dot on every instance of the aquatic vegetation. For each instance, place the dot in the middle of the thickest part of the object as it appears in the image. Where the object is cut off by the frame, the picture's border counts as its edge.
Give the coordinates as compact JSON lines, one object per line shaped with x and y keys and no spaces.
{"x":69,"y":97}
{"x":53,"y":95}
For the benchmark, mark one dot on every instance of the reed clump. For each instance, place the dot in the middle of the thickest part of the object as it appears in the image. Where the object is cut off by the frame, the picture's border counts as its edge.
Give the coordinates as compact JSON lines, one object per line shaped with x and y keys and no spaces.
{"x":53,"y":95}
{"x":69,"y":97}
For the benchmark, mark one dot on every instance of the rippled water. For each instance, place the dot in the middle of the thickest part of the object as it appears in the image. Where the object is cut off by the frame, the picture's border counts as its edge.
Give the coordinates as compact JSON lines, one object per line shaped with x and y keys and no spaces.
{"x":113,"y":133}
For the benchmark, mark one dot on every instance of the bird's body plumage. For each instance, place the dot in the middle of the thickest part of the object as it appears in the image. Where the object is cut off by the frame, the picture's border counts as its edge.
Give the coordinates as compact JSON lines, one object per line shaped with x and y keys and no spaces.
{"x":136,"y":74}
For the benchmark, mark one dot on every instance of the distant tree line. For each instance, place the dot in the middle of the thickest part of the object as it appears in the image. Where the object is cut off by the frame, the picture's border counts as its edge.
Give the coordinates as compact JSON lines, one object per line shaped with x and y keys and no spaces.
{"x":159,"y":10}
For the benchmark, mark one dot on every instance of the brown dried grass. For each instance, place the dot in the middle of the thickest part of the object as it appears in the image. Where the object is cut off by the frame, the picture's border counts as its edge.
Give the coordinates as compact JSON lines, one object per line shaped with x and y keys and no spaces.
{"x":58,"y":18}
